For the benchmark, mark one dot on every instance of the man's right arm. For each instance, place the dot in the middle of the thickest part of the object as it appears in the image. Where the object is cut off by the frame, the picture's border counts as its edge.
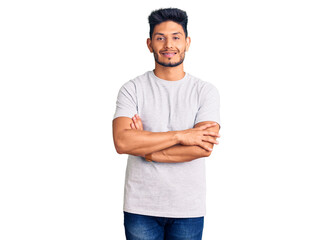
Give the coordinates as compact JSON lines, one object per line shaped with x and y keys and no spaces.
{"x":140,"y":142}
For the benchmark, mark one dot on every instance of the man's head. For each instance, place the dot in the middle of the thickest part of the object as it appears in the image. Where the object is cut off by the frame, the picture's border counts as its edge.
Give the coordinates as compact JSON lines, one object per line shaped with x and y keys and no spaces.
{"x":167,"y":14}
{"x":168,"y":36}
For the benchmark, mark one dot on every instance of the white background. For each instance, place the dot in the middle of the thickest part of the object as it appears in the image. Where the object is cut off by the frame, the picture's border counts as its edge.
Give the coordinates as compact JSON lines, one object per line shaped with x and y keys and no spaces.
{"x":62,"y":64}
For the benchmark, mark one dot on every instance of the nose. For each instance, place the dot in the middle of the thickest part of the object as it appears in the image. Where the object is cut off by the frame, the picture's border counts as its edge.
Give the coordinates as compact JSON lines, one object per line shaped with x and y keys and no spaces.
{"x":168,"y":43}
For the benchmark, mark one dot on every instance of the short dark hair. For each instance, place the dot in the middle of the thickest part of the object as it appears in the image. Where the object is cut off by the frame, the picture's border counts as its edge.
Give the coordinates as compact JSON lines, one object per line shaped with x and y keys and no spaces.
{"x":167,"y":14}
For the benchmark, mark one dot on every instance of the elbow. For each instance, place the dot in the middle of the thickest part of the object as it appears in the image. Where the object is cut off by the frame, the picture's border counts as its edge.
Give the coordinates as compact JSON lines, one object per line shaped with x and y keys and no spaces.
{"x":117,"y":140}
{"x":119,"y":150}
{"x":207,"y":153}
{"x":202,"y":153}
{"x":119,"y":147}
{"x":124,"y":149}
{"x":120,"y":143}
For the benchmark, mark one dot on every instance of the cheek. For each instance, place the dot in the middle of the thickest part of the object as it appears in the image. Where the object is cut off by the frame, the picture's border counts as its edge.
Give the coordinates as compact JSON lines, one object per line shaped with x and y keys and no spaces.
{"x":181,"y":48}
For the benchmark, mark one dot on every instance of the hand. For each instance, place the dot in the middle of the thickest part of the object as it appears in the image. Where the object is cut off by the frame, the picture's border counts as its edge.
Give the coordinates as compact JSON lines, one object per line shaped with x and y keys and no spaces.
{"x":197,"y":136}
{"x":136,"y":123}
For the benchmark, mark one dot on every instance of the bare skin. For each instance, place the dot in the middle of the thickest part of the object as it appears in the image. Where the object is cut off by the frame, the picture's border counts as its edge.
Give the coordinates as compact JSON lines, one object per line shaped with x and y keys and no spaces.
{"x":169,"y":37}
{"x":141,"y":142}
{"x":176,"y":153}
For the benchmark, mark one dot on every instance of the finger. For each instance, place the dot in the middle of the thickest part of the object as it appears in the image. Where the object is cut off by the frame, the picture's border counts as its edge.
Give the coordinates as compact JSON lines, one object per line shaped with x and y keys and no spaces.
{"x":207,"y":148}
{"x":139,"y":122}
{"x":207,"y":125}
{"x":203,"y":127}
{"x":210,"y":140}
{"x":209,"y":133}
{"x":135,"y":122}
{"x":132,"y":126}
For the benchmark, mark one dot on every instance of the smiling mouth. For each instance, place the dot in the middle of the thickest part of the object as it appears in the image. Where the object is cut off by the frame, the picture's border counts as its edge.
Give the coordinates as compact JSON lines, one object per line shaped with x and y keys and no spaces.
{"x":169,"y":55}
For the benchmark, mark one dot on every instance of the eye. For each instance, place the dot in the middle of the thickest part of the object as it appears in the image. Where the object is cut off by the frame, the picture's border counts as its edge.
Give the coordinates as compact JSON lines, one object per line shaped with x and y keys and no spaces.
{"x":159,"y":38}
{"x":176,"y":37}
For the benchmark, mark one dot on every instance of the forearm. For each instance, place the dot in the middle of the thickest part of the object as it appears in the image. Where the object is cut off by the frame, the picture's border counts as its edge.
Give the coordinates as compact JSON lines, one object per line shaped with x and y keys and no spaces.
{"x":140,"y":143}
{"x":177,"y":154}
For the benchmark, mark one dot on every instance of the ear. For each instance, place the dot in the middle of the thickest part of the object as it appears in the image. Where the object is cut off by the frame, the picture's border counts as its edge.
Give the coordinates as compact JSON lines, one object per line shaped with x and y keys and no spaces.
{"x":188,"y":43}
{"x":149,"y":45}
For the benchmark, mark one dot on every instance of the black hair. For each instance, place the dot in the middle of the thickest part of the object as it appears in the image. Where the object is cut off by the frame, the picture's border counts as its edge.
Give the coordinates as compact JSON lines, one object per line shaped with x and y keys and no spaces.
{"x":167,"y":14}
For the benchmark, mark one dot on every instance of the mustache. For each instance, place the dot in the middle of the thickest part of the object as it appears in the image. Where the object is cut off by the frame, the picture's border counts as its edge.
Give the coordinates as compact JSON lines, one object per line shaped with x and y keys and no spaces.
{"x":182,"y":57}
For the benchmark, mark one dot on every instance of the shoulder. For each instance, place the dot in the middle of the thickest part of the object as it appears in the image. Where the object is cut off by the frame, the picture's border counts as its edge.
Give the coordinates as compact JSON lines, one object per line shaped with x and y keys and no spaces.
{"x":133,"y":83}
{"x":202,"y":85}
{"x":142,"y":77}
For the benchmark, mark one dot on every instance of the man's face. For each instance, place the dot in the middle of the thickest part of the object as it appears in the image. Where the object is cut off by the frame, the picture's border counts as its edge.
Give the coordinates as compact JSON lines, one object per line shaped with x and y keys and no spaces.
{"x":168,"y":43}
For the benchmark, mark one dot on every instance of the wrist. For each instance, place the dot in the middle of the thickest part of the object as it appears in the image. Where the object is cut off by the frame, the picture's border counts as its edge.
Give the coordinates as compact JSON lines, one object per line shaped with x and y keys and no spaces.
{"x":177,"y":136}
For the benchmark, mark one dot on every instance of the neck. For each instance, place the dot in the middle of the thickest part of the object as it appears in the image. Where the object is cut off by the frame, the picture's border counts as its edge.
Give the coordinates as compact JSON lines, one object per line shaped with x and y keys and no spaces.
{"x":169,"y":73}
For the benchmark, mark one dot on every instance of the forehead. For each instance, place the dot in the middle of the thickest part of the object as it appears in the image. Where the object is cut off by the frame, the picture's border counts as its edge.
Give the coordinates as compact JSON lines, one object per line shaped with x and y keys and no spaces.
{"x":168,"y":27}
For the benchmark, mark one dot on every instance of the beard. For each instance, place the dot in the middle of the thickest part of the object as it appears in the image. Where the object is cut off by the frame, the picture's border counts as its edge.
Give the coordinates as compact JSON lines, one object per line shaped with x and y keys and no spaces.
{"x":170,"y":64}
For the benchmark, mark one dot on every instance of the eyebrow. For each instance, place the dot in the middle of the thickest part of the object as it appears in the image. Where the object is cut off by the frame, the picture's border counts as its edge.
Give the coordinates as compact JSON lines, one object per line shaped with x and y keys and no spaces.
{"x":175,"y":33}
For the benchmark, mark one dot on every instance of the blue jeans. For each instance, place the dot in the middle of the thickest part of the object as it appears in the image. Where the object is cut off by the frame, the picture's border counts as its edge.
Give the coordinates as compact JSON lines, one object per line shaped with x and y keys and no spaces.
{"x":141,"y":227}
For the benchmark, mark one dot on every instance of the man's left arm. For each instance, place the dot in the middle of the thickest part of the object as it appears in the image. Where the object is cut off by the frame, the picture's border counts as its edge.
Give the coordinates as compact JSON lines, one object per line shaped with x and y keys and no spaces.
{"x":179,"y":153}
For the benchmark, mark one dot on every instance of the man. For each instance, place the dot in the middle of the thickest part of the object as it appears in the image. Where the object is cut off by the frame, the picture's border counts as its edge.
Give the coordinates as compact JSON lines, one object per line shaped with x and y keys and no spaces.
{"x":167,"y":121}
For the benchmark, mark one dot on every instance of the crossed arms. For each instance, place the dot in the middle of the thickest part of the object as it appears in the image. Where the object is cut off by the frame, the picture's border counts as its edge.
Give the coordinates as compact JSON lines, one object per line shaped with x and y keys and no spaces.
{"x":172,"y":146}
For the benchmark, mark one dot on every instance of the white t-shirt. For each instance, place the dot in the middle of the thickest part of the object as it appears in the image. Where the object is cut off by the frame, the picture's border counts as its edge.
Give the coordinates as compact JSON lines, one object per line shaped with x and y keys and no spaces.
{"x":167,"y":189}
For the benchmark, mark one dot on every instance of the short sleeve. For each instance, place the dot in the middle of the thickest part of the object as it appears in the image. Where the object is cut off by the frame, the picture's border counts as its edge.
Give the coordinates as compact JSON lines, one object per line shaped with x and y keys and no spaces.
{"x":209,"y":105}
{"x":126,"y":105}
